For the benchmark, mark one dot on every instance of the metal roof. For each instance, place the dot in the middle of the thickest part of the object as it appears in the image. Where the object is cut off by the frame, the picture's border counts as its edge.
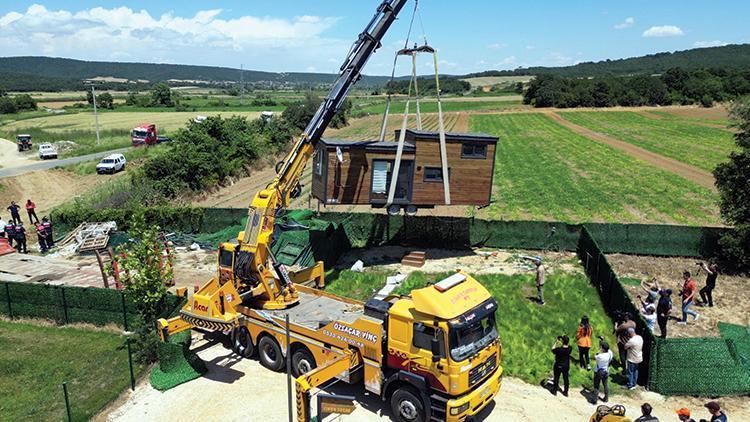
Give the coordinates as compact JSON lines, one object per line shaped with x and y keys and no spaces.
{"x":451,"y":136}
{"x":369,"y":145}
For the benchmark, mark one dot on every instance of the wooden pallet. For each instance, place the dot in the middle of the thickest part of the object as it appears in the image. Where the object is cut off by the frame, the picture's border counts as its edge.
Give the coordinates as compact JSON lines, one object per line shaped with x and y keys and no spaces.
{"x":94,"y":243}
{"x":414,"y":259}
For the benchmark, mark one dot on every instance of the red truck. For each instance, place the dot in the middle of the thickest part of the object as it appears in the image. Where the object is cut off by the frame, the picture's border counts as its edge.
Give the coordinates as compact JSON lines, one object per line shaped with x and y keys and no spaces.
{"x":145,"y":134}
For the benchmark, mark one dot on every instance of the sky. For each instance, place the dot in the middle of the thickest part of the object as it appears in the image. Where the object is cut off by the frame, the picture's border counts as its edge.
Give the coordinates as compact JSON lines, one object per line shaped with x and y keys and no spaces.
{"x":314,"y":36}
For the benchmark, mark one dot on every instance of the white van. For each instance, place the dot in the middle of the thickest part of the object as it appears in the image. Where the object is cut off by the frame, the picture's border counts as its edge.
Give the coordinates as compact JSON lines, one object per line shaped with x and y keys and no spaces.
{"x":111,"y":164}
{"x":47,"y":151}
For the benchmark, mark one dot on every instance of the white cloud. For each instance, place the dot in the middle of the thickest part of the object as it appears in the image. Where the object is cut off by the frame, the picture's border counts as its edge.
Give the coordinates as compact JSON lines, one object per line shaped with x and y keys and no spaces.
{"x":714,"y":43}
{"x":205,"y":38}
{"x":497,"y":46}
{"x":628,"y":23}
{"x":508,"y":61}
{"x":559,"y":59}
{"x":663,"y":31}
{"x":530,"y":47}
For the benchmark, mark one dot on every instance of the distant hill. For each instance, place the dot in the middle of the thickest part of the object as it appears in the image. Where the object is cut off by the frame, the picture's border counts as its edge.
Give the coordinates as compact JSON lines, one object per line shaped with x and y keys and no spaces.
{"x":736,"y":56}
{"x":69,"y":71}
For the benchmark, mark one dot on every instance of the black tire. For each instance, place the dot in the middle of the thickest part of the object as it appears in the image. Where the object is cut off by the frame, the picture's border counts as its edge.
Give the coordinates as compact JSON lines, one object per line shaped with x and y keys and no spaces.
{"x":270,"y":354}
{"x":279,"y":165}
{"x":407,"y":406}
{"x":296,"y":191}
{"x":302,"y":362}
{"x":242,"y":342}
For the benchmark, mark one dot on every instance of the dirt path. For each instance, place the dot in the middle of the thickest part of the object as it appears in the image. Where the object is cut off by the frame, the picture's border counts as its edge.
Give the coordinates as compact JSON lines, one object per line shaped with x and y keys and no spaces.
{"x":237,"y":389}
{"x":687,"y":171}
{"x":11,"y":158}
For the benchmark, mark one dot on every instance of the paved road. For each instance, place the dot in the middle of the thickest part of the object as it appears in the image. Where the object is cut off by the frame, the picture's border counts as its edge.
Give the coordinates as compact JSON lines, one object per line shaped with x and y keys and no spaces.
{"x":50,"y":164}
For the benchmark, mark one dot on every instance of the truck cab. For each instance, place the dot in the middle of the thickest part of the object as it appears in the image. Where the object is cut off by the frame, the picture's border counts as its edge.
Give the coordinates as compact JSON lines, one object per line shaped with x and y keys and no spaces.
{"x":24,"y":142}
{"x":145,"y":134}
{"x":443,"y":351}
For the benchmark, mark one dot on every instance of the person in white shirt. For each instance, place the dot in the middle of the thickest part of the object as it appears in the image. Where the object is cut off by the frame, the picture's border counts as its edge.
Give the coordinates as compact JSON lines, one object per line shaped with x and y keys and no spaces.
{"x":601,"y":371}
{"x":634,"y":348}
{"x":2,"y":227}
{"x":649,"y":315}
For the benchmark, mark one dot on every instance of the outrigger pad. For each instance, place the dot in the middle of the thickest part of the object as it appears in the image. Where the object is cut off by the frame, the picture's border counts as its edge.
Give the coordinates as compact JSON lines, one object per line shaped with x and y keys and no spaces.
{"x":177,"y":363}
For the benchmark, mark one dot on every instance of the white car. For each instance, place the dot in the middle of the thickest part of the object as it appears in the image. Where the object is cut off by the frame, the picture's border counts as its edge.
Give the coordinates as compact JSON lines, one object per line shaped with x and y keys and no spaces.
{"x":47,"y":151}
{"x":111,"y":164}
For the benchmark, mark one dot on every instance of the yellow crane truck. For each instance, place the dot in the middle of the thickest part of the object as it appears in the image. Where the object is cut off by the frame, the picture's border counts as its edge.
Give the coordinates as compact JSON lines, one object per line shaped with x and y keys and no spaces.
{"x":434,"y":355}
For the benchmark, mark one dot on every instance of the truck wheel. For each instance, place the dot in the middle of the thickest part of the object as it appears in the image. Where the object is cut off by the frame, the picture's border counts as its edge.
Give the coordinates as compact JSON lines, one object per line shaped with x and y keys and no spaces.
{"x":242,"y":342}
{"x":302,"y":362}
{"x":270,"y":354}
{"x":407,"y":406}
{"x":394,"y":210}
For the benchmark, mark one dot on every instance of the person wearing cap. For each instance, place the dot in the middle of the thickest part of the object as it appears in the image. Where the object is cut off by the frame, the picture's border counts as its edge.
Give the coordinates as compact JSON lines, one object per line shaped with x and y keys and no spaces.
{"x":684,"y":415}
{"x":634,"y":348}
{"x":663,"y":309}
{"x":646,"y":410}
{"x":715,"y":410}
{"x":601,"y":371}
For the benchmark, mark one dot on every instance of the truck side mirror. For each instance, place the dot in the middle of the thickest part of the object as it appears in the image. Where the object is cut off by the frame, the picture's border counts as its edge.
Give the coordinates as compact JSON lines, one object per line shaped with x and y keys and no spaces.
{"x":435,"y":346}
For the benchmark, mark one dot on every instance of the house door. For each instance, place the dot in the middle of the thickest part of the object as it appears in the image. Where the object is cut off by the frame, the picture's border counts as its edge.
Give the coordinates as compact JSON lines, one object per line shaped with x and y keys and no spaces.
{"x":382,"y":174}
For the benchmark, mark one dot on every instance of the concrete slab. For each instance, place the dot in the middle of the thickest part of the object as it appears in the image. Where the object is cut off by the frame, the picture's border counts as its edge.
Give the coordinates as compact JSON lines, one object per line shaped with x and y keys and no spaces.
{"x":31,"y":268}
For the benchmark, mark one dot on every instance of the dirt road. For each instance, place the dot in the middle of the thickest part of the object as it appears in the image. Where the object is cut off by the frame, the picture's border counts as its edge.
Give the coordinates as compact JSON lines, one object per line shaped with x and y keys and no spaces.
{"x":10,"y":157}
{"x":23,"y":167}
{"x":237,"y":389}
{"x":687,"y":171}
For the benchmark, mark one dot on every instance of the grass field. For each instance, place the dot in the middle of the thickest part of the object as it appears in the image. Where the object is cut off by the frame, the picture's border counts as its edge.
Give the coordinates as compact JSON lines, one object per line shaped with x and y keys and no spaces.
{"x":133,"y":156}
{"x":448,"y":106}
{"x":495,"y":80}
{"x":36,"y":360}
{"x":546,"y":171}
{"x":527,"y":330}
{"x":677,"y":138}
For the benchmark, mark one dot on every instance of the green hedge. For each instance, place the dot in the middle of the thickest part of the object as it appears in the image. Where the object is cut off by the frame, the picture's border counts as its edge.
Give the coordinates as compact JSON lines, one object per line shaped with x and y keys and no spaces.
{"x":66,"y":304}
{"x":177,"y":363}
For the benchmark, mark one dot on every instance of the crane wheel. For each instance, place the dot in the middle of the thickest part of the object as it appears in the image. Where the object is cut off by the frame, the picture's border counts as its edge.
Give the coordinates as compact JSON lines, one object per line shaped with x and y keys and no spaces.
{"x":302,"y":362}
{"x":270,"y":354}
{"x":407,"y":406}
{"x":242,"y":342}
{"x":394,"y":210}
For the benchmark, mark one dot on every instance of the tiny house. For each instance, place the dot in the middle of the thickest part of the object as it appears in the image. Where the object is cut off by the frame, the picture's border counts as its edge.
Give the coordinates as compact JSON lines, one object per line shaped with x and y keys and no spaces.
{"x":360,"y":172}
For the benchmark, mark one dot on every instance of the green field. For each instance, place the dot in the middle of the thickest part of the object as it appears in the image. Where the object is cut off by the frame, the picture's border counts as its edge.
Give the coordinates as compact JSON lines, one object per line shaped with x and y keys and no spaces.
{"x":527,"y":330}
{"x":36,"y":360}
{"x":546,"y":171}
{"x":430,"y":106}
{"x":677,"y":138}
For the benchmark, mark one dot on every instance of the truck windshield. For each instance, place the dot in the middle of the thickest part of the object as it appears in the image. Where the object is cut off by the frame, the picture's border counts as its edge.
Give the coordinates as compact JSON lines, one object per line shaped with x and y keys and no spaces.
{"x":470,"y":337}
{"x":140,"y":134}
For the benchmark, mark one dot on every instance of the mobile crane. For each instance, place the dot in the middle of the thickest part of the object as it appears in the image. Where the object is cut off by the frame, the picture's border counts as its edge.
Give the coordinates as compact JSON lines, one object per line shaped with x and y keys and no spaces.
{"x":435,"y":354}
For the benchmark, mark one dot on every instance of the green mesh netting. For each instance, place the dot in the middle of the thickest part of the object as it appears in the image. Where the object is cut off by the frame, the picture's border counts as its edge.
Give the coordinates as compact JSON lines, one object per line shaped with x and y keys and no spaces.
{"x":177,"y":363}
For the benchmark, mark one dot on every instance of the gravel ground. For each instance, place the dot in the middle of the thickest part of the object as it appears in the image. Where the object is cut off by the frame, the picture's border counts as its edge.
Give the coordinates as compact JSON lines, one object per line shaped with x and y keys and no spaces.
{"x":237,"y":389}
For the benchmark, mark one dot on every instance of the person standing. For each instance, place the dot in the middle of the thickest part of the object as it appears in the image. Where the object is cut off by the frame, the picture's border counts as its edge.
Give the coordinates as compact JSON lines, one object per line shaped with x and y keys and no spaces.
{"x":603,"y":360}
{"x":541,"y":274}
{"x":14,"y":212}
{"x":561,"y":349}
{"x":712,"y":272}
{"x":21,"y":239}
{"x":2,"y":227}
{"x":41,"y":235}
{"x":689,"y":288}
{"x":663,"y":309}
{"x":31,"y":210}
{"x":10,"y":231}
{"x":583,"y":339}
{"x":621,"y":331}
{"x":50,"y":240}
{"x":715,"y":410}
{"x":634,"y":348}
{"x":646,"y":410}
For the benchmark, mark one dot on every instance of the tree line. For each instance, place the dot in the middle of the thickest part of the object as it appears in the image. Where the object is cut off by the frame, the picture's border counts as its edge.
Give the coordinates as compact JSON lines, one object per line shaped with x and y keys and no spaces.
{"x":427,"y":86}
{"x":18,"y":103}
{"x":675,"y":86}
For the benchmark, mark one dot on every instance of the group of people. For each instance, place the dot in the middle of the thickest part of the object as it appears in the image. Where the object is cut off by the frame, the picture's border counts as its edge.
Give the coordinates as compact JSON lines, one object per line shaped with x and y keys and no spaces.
{"x":15,"y":232}
{"x":657,"y":306}
{"x":684,"y":414}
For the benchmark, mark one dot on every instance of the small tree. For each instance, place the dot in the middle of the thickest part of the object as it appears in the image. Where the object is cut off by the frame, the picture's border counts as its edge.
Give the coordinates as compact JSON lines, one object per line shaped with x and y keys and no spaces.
{"x":161,"y":95}
{"x":145,"y":278}
{"x":733,"y":182}
{"x":132,"y":98}
{"x":105,"y":100}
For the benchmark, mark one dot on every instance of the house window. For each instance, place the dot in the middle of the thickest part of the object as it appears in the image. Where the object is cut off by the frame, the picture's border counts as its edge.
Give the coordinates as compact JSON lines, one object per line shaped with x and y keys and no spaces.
{"x":380,"y":170}
{"x":473,"y":151}
{"x":434,"y":174}
{"x":319,"y":163}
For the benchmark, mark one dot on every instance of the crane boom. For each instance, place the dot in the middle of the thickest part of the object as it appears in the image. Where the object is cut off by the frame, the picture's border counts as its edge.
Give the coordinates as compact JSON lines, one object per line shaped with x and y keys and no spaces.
{"x":248,"y":272}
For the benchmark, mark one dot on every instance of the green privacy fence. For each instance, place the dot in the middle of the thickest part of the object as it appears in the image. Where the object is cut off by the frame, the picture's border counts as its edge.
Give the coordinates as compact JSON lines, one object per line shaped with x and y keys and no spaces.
{"x":717,"y":366}
{"x":71,"y":304}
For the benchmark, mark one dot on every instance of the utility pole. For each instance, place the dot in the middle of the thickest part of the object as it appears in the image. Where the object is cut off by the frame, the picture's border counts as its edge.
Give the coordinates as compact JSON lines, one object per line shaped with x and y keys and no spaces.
{"x":96,"y":114}
{"x":242,"y":84}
